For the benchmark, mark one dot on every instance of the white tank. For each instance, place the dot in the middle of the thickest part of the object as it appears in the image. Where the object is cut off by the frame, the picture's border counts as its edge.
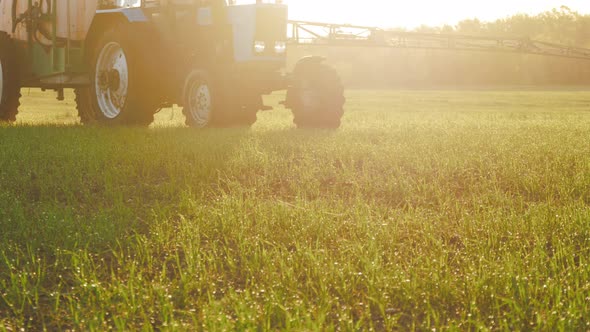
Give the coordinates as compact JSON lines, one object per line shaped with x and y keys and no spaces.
{"x":6,"y":18}
{"x":80,"y":14}
{"x":73,"y":18}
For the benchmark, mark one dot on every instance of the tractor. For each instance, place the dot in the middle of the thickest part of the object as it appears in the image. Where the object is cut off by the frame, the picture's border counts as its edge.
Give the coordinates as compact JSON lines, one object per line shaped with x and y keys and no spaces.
{"x":127,"y":59}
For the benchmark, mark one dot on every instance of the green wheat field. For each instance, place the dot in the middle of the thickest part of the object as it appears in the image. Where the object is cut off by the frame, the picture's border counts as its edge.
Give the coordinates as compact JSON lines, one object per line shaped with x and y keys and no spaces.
{"x":427,"y":210}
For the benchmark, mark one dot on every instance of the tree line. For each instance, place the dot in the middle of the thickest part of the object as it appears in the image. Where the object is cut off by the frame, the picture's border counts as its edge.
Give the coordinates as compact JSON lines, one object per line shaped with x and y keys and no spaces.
{"x":373,"y":68}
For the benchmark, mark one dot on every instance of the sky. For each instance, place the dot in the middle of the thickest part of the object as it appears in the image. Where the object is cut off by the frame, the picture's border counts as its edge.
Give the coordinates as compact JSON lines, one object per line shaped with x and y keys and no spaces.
{"x":413,"y":13}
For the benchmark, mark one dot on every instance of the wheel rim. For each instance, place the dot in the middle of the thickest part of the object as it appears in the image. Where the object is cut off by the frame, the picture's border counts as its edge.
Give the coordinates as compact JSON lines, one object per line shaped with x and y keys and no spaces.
{"x":1,"y":82}
{"x":199,"y":103}
{"x":111,"y":80}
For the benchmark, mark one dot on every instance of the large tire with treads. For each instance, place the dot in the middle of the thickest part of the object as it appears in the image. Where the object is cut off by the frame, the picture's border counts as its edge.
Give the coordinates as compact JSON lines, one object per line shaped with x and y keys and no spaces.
{"x":316,"y":96}
{"x":9,"y":79}
{"x":123,"y":89}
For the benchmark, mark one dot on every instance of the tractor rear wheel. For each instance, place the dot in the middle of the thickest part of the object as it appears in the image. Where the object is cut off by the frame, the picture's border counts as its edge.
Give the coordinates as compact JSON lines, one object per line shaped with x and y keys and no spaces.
{"x":316,"y":96}
{"x":123,"y":88}
{"x":210,"y":103}
{"x":9,"y":80}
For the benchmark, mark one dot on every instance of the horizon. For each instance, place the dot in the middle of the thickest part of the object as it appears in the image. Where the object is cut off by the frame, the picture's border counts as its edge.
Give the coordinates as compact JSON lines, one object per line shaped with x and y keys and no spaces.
{"x":411,"y":15}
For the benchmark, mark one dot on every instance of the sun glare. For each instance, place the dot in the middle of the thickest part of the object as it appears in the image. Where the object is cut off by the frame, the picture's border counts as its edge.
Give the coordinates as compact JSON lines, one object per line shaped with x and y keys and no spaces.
{"x":408,"y":14}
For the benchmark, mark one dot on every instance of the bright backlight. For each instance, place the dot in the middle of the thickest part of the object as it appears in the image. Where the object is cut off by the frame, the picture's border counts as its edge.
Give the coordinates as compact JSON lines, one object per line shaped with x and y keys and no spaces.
{"x":414,"y":13}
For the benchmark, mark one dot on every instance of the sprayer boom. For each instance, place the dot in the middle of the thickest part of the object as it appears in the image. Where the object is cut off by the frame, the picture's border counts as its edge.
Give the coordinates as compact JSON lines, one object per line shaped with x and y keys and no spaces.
{"x":324,"y":34}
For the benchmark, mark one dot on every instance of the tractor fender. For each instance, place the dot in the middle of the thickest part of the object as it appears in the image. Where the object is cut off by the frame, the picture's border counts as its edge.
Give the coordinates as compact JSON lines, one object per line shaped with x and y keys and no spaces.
{"x":109,"y":17}
{"x":308,"y":61}
{"x":130,"y":14}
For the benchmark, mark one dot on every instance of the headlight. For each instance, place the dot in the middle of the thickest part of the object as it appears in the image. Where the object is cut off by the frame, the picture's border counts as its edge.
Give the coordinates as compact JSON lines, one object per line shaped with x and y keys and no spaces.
{"x":251,"y":2}
{"x":259,"y":46}
{"x":280,"y":47}
{"x":128,"y":3}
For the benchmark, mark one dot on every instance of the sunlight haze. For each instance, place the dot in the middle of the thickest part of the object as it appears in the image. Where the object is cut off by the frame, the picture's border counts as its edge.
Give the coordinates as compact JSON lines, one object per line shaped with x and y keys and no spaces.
{"x":409,"y":14}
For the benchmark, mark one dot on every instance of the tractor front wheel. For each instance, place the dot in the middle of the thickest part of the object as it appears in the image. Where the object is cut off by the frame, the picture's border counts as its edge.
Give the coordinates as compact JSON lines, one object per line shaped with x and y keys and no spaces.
{"x":199,"y":99}
{"x":212,"y":103}
{"x":123,"y":88}
{"x":9,"y":80}
{"x":316,"y":95}
{"x":236,"y":112}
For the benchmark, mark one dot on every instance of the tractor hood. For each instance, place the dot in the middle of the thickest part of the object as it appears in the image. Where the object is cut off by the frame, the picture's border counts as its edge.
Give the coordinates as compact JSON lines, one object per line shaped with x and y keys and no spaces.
{"x":259,"y":32}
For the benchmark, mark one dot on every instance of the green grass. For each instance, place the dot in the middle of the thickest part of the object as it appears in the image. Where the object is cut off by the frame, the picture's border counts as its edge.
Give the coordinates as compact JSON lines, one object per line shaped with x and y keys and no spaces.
{"x":446,"y":210}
